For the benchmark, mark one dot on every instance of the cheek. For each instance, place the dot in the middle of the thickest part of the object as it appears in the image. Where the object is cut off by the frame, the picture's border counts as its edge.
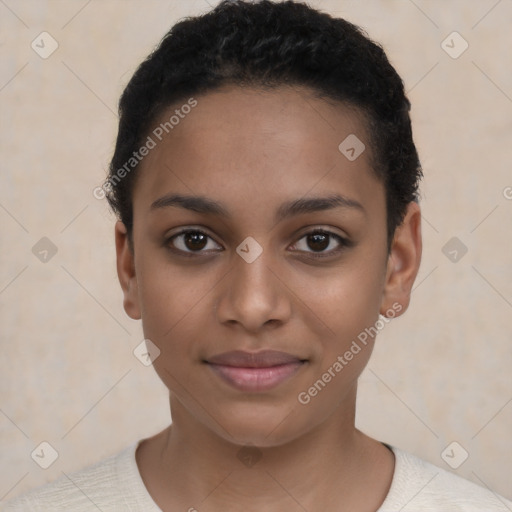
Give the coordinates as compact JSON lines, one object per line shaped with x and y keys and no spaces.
{"x":348,"y":301}
{"x":171,"y":295}
{"x":349,"y":305}
{"x":175,"y":305}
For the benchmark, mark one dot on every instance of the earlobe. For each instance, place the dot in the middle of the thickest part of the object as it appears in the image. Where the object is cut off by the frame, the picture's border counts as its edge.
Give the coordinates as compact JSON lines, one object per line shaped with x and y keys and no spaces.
{"x":403,"y":262}
{"x":126,"y":272}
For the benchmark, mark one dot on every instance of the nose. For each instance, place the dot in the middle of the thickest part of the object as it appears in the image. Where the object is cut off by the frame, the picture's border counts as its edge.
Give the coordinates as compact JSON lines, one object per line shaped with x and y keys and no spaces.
{"x":254,"y":296}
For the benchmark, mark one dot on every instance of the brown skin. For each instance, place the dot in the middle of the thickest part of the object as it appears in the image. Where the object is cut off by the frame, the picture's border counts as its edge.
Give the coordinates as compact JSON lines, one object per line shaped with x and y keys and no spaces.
{"x":251,"y":151}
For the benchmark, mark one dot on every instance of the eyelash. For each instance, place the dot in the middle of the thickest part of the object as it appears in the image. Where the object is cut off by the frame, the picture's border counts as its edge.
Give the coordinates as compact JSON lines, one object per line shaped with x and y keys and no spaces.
{"x":343,"y":243}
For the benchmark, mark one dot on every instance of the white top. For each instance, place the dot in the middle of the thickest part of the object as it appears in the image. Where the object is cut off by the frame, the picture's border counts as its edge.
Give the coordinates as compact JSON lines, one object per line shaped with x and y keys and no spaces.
{"x":115,"y":485}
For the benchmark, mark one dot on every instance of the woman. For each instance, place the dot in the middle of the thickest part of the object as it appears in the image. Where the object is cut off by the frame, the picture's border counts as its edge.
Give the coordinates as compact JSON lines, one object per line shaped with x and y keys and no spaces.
{"x":265,"y":179}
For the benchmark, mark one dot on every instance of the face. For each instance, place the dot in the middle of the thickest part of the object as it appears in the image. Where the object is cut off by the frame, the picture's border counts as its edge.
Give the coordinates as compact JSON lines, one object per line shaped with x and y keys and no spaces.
{"x":253,"y":231}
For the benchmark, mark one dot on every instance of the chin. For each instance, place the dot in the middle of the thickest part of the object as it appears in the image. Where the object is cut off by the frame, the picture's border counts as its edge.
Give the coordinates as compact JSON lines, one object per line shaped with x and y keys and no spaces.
{"x":264,"y":428}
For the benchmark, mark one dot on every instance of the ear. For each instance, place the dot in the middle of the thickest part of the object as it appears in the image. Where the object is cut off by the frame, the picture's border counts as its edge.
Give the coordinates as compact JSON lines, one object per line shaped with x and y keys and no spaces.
{"x":126,"y":272}
{"x":403,"y":262}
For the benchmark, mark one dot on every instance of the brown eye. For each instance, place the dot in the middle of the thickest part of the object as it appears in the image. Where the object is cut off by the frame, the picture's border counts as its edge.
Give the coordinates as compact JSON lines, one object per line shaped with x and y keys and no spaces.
{"x":195,"y":241}
{"x":317,"y":242}
{"x":191,"y":241}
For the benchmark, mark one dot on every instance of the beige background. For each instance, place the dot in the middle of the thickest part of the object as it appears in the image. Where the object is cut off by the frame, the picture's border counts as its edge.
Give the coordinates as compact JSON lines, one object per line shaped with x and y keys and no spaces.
{"x":439,"y":374}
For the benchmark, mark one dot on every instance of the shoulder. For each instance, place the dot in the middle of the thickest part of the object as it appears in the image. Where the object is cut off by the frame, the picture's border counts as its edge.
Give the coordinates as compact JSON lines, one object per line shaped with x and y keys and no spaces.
{"x":113,"y":484}
{"x":420,"y":486}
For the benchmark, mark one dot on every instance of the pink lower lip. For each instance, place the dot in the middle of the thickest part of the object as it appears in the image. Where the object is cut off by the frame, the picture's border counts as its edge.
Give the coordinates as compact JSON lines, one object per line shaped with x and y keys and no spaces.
{"x":256,"y":379}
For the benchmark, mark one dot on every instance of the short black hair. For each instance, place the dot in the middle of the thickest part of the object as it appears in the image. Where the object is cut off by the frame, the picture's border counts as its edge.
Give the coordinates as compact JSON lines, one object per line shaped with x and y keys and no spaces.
{"x":268,"y":44}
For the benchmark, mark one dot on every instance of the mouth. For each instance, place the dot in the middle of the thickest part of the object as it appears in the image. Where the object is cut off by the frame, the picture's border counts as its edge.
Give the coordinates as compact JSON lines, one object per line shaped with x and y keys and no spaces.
{"x":259,"y":371}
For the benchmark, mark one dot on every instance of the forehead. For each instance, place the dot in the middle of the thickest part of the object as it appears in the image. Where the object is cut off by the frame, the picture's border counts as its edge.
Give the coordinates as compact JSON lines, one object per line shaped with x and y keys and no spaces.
{"x":253,"y":148}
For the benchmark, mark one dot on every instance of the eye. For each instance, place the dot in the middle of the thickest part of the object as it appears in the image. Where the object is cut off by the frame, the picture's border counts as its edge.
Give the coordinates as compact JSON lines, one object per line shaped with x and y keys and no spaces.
{"x":194,"y":241}
{"x":319,"y":240}
{"x":191,"y":241}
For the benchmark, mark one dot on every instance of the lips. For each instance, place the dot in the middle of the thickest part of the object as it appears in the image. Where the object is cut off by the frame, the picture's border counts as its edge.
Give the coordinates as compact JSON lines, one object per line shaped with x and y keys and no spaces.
{"x":263,"y":359}
{"x":259,"y":371}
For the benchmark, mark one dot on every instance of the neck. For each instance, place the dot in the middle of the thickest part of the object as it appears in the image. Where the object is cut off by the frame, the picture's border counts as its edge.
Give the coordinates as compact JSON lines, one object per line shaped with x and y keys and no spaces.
{"x":188,"y":466}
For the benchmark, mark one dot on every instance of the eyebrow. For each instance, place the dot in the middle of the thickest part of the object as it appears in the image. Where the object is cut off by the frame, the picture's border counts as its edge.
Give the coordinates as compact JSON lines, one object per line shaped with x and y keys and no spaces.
{"x":289,"y":209}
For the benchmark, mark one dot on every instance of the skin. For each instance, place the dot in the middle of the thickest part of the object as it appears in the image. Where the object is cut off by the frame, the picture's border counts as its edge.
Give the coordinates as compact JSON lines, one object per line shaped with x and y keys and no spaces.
{"x":253,"y":150}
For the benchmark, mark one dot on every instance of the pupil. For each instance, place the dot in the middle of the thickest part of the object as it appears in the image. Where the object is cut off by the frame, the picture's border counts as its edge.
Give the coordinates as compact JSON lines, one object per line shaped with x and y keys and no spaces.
{"x":195,"y":240}
{"x":319,"y":241}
